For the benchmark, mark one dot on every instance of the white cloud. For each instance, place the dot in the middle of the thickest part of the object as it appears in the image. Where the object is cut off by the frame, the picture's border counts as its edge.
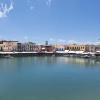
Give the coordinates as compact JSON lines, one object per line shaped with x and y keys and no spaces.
{"x":48,"y":2}
{"x":92,"y":43}
{"x":36,"y":3}
{"x":61,"y":40}
{"x":81,"y":42}
{"x":72,"y":42}
{"x":5,"y":9}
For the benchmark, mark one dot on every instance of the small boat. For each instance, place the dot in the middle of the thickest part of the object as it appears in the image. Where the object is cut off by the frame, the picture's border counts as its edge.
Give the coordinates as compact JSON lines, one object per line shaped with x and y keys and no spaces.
{"x":86,"y":56}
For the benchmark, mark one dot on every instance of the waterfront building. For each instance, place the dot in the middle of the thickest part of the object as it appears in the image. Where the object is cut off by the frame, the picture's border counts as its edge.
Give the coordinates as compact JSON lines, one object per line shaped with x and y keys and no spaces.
{"x":19,"y":47}
{"x":46,"y":48}
{"x":8,"y":46}
{"x":28,"y":47}
{"x":75,"y":47}
{"x":90,"y":48}
{"x":80,"y":47}
{"x":59,"y":47}
{"x":97,"y":48}
{"x":13,"y":46}
{"x":1,"y":46}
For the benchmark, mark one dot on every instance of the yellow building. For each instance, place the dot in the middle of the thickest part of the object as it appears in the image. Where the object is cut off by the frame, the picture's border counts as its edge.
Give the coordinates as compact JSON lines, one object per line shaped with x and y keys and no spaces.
{"x":75,"y":47}
{"x":80,"y":47}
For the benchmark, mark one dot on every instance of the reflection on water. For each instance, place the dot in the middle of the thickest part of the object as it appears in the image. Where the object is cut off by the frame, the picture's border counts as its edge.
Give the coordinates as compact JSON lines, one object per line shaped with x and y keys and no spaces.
{"x":17,"y":63}
{"x":80,"y":61}
{"x":49,"y":78}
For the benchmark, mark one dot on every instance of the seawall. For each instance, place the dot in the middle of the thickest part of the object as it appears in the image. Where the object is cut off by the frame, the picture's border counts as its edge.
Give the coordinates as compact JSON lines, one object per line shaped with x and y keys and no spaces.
{"x":27,"y":54}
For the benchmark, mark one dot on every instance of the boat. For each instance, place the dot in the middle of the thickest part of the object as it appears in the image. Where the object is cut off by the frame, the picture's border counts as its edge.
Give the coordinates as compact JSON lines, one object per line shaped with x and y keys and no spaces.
{"x":86,"y":56}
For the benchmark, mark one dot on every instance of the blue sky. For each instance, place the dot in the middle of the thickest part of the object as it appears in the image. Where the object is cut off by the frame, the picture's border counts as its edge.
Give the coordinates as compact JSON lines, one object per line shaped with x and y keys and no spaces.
{"x":57,"y":21}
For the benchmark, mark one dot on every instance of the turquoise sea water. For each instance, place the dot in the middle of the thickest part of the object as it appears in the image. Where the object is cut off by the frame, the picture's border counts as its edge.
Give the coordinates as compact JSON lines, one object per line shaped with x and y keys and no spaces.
{"x":49,"y":78}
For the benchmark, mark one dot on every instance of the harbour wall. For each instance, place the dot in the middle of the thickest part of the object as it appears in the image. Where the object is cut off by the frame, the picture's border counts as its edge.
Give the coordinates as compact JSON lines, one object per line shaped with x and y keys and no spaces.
{"x":27,"y":54}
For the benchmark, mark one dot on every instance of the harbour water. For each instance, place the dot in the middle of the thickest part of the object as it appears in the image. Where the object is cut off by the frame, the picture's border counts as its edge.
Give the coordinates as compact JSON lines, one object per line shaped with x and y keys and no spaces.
{"x":49,"y":78}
